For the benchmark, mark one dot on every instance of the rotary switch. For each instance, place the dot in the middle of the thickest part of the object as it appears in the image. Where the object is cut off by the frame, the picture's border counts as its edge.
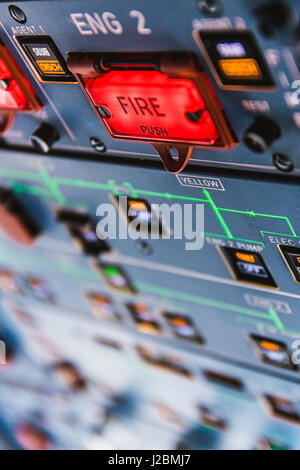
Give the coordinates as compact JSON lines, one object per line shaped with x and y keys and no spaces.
{"x":44,"y":137}
{"x":261,"y":134}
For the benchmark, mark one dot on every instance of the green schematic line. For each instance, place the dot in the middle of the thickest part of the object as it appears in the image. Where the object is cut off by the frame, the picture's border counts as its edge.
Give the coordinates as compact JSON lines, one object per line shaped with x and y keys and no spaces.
{"x":271,"y":315}
{"x":251,"y":321}
{"x":262,"y":232}
{"x":24,"y":175}
{"x":81,"y":183}
{"x":36,"y":190}
{"x":274,"y":316}
{"x":217,"y":213}
{"x":53,"y":183}
{"x":255,"y":214}
{"x":152,"y":289}
{"x":144,"y":192}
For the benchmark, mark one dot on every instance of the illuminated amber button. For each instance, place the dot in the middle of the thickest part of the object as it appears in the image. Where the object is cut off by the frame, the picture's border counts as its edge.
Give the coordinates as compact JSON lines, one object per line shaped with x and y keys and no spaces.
{"x":270,"y":346}
{"x":51,"y":67}
{"x":240,"y":68}
{"x":45,"y":58}
{"x":245,"y":257}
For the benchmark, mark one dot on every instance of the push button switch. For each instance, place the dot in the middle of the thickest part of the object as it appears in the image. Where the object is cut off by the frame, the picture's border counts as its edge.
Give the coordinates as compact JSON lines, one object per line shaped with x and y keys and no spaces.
{"x":15,"y":220}
{"x":272,"y":352}
{"x":291,"y":256}
{"x":45,"y":58}
{"x":81,"y":228}
{"x":16,"y":93}
{"x":161,"y":98}
{"x":247,"y":266}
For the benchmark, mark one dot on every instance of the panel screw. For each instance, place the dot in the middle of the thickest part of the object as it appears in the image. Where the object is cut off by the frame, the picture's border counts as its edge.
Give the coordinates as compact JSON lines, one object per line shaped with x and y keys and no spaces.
{"x":97,"y":144}
{"x":173,"y":152}
{"x":104,"y":112}
{"x":144,"y":247}
{"x":17,"y":14}
{"x":4,"y":83}
{"x":282,"y":162}
{"x":210,"y":7}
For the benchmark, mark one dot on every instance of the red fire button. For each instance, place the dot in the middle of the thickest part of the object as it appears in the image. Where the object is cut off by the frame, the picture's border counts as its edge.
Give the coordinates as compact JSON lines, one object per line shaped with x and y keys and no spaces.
{"x":149,"y":105}
{"x":162,"y":98}
{"x":16,"y":93}
{"x":11,"y":94}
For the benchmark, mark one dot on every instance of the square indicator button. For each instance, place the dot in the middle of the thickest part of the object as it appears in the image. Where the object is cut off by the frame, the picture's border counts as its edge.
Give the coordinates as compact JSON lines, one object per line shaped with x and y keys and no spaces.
{"x":154,"y":357}
{"x":102,"y":307}
{"x":139,"y":212}
{"x":183,"y":327}
{"x":210,"y":418}
{"x":235,"y":59}
{"x":39,"y":288}
{"x":272,"y":352}
{"x":144,"y":319}
{"x":86,"y":240}
{"x":15,"y":219}
{"x":10,"y":283}
{"x":247,"y":266}
{"x":268,"y":444}
{"x":281,"y":408}
{"x":222,"y":379}
{"x":291,"y":256}
{"x":114,"y":277}
{"x":83,"y":231}
{"x":45,"y":59}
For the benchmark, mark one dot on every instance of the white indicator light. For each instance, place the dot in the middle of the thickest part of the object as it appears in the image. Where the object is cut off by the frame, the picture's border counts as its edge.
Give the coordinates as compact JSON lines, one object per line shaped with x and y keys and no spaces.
{"x":231,"y":49}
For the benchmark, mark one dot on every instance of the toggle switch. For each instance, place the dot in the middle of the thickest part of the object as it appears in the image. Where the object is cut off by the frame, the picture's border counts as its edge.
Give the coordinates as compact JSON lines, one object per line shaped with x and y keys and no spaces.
{"x":261,"y":134}
{"x":44,"y":137}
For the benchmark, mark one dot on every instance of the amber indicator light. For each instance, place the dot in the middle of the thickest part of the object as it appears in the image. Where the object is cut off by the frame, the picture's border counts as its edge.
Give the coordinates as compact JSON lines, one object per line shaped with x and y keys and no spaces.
{"x":235,"y":59}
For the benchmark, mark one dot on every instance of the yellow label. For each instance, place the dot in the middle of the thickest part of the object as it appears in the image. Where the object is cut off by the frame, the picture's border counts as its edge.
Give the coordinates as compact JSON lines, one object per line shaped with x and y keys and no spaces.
{"x":240,"y":68}
{"x":50,"y":67}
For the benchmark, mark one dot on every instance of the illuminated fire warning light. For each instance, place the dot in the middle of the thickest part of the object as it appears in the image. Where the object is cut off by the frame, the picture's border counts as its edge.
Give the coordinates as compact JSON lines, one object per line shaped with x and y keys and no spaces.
{"x":161,"y":98}
{"x":16,"y":93}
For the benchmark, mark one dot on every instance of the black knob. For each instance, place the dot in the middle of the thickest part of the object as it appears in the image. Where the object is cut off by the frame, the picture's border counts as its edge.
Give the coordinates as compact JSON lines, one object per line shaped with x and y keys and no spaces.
{"x":44,"y":137}
{"x":261,"y":134}
{"x":272,"y":17}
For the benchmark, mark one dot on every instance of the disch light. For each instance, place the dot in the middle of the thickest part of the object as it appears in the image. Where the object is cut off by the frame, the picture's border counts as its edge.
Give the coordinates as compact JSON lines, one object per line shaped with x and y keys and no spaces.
{"x":161,"y":98}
